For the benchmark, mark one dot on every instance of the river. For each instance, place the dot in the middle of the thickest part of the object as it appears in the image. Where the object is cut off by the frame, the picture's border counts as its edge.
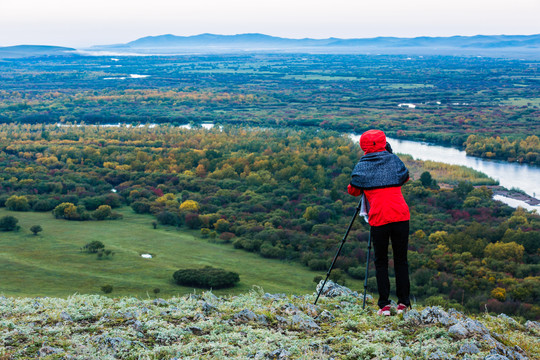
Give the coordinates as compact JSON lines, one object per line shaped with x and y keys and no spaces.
{"x":510,"y":175}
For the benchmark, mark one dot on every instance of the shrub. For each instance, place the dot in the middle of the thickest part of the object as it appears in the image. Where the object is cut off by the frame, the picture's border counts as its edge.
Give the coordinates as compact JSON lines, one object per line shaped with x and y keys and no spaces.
{"x":357,"y":272}
{"x":272,"y":252}
{"x":102,"y":212}
{"x":35,"y":229}
{"x":107,"y":289}
{"x":17,"y":203}
{"x":207,"y":277}
{"x":226,"y":237}
{"x":168,"y":218}
{"x":93,"y":247}
{"x":318,"y":264}
{"x":44,"y":205}
{"x":193,"y":221}
{"x":141,"y":207}
{"x":9,"y":223}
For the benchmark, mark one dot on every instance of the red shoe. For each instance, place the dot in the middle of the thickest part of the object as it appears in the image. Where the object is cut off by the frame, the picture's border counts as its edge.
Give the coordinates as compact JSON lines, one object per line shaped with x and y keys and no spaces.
{"x":385,"y":311}
{"x":401,"y":308}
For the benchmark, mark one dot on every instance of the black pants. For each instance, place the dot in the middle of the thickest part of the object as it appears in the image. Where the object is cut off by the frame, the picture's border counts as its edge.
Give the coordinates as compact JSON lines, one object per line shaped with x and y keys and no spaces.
{"x":398,"y":232}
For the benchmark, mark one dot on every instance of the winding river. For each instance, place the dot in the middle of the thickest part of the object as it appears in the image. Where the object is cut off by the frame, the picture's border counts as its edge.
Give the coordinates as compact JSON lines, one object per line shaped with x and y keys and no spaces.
{"x":509,"y":175}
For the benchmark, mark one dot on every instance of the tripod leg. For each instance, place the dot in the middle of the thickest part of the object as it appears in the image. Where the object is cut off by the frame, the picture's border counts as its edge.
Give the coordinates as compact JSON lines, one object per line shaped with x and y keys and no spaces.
{"x":339,"y":250}
{"x":367,"y":270}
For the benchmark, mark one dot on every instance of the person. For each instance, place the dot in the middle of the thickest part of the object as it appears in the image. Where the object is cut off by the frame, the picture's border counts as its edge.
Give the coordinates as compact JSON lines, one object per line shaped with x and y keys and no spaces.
{"x":378,"y":177}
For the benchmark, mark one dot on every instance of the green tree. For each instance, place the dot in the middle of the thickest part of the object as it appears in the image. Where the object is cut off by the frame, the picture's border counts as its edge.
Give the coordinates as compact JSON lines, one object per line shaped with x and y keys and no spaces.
{"x":9,"y":223}
{"x":35,"y":229}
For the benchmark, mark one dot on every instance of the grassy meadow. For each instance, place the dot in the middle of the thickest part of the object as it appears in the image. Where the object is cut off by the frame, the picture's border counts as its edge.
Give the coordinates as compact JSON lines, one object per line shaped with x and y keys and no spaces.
{"x":51,"y":263}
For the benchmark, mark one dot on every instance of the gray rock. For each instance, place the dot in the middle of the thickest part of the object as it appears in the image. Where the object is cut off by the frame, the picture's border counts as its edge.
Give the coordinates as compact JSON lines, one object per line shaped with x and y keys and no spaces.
{"x":111,"y":342}
{"x":195,"y":330}
{"x":439,"y":355}
{"x":48,"y":350}
{"x":245,"y":316}
{"x":305,"y":324}
{"x":458,"y":330}
{"x":331,"y":289}
{"x":475,"y":326}
{"x":137,"y":325}
{"x":279,"y":354}
{"x":325,"y":316}
{"x":507,"y":319}
{"x":434,"y":315}
{"x":208,"y":308}
{"x":496,"y":357}
{"x":160,"y":302}
{"x":532,"y":325}
{"x":412,"y":317}
{"x":282,"y":320}
{"x":268,"y":296}
{"x":469,"y":348}
{"x":65,"y":316}
{"x":290,"y":309}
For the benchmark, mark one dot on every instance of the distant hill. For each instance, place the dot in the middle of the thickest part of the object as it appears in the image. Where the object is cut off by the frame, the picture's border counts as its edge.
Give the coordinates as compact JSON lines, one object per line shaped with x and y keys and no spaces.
{"x":22,"y":51}
{"x":266,"y":41}
{"x":486,"y":45}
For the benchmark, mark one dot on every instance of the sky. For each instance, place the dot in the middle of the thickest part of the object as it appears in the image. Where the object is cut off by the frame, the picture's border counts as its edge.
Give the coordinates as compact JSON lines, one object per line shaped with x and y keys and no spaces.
{"x":82,"y":23}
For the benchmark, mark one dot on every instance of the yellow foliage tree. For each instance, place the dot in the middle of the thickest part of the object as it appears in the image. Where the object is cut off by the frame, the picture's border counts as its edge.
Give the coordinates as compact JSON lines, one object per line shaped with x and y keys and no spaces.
{"x":189,"y":205}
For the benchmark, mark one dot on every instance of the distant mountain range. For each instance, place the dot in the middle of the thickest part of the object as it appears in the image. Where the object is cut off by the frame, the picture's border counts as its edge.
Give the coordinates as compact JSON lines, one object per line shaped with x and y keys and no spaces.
{"x":21,"y":51}
{"x":514,"y":45}
{"x":266,"y":41}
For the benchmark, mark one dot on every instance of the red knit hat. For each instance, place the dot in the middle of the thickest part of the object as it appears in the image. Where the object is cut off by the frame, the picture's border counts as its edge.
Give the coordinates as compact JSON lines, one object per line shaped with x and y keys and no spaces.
{"x":373,"y":141}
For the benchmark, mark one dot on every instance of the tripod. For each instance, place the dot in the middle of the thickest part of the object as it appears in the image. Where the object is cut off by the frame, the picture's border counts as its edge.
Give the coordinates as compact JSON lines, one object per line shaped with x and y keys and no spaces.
{"x":339,"y":250}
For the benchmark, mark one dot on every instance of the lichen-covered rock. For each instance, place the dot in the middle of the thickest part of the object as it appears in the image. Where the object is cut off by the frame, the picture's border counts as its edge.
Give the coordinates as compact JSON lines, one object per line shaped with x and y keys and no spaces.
{"x":532,"y":325}
{"x":468,"y":348}
{"x":279,"y":354}
{"x":331,"y":289}
{"x":303,"y":323}
{"x":325,"y":316}
{"x":48,"y":350}
{"x":458,"y":330}
{"x":435,"y":315}
{"x":439,"y":355}
{"x":245,"y":316}
{"x":412,"y":317}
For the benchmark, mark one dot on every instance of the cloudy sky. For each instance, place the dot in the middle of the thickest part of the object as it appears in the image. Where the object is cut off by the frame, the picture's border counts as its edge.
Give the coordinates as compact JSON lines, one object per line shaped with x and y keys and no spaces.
{"x":80,"y":23}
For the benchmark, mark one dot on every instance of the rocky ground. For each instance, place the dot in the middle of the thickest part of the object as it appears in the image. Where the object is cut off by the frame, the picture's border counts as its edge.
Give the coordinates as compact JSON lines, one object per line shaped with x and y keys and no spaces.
{"x":257,"y":325}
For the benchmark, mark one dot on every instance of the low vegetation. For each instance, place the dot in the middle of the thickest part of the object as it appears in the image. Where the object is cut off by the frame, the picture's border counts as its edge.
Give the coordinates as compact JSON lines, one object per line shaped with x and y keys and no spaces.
{"x":255,"y":325}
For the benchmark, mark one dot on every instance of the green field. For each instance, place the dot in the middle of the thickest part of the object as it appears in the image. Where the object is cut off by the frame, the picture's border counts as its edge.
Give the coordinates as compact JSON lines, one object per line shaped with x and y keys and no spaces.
{"x":51,"y":263}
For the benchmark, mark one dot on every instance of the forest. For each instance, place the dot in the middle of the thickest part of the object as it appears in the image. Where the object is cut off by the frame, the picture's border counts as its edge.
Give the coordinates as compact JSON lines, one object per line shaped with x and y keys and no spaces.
{"x":278,"y":193}
{"x":486,"y":106}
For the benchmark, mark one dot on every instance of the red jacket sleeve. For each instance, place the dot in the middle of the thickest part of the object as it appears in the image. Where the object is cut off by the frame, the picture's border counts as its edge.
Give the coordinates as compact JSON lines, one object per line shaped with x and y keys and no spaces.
{"x":353,"y":190}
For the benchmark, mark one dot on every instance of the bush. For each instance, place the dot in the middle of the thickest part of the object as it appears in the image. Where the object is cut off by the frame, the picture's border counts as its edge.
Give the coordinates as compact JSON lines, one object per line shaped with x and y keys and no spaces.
{"x":9,"y":223}
{"x":93,"y":247}
{"x":35,"y":229}
{"x":141,"y":207}
{"x":168,"y":218}
{"x":357,"y":272}
{"x":207,"y":277}
{"x":17,"y":203}
{"x":318,"y":264}
{"x":44,"y":205}
{"x":107,"y":289}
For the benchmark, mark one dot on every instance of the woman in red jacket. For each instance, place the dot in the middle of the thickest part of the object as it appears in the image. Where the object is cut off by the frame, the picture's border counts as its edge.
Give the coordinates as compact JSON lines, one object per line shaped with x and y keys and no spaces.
{"x":379,"y":176}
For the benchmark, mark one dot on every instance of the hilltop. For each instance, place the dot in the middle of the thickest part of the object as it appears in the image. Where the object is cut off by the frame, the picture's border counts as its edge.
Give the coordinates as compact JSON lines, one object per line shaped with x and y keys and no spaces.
{"x":256,"y":325}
